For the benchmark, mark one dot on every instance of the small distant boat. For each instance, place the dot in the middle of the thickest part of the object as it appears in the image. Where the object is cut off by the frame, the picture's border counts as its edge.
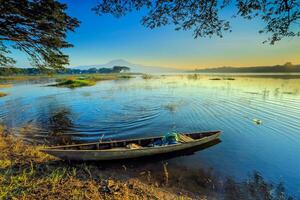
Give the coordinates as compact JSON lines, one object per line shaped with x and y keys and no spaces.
{"x":131,"y":148}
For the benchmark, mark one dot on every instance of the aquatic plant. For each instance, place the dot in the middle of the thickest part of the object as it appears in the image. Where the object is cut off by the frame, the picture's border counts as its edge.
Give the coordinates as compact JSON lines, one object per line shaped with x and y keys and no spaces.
{"x":257,"y":121}
{"x":166,"y":173}
{"x":75,"y":83}
{"x":125,"y":76}
{"x":2,"y":94}
{"x":147,"y":76}
{"x":193,"y":76}
{"x":86,"y":80}
{"x":228,"y":78}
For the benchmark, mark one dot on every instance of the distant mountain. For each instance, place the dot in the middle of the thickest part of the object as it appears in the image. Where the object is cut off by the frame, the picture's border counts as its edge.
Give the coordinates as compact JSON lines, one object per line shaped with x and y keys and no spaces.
{"x":286,"y":68}
{"x":138,"y":68}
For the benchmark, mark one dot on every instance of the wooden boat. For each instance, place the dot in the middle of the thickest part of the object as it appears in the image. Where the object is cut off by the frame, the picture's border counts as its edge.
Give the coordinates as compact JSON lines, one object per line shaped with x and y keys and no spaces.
{"x":121,"y":149}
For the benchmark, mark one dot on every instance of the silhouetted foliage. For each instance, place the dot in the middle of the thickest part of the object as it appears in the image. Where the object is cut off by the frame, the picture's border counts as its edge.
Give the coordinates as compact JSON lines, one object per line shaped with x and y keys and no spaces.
{"x":282,"y":17}
{"x":36,"y":27}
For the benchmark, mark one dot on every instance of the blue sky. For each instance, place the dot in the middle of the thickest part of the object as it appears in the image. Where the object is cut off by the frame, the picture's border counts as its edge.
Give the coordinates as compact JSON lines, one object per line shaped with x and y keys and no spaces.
{"x":101,"y":39}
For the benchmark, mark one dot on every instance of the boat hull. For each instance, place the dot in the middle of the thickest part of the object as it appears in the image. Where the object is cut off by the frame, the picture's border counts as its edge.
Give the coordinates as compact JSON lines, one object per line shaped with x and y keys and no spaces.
{"x":99,"y":155}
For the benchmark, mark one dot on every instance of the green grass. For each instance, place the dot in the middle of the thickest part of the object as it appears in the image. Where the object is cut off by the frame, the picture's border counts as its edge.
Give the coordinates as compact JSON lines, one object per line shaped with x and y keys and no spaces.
{"x":75,"y":83}
{"x":86,"y":80}
{"x":26,"y":173}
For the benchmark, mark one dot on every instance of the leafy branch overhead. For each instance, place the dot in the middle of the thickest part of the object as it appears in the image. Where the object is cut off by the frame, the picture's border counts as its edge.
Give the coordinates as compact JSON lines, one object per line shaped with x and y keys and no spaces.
{"x":282,"y":17}
{"x":36,"y":27}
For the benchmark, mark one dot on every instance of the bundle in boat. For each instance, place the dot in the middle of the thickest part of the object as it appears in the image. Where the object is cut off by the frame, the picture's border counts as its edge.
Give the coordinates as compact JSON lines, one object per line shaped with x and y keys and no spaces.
{"x":168,"y":139}
{"x":184,"y":138}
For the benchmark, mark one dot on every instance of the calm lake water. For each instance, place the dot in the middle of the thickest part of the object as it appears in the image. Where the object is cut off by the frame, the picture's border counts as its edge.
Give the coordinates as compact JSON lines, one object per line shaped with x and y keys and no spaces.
{"x":138,"y":108}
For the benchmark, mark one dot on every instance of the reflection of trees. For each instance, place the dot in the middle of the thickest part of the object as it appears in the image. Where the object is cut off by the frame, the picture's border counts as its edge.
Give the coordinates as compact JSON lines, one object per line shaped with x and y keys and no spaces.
{"x":255,"y":187}
{"x":56,"y":121}
{"x":200,"y":180}
{"x":209,"y":184}
{"x":59,"y":123}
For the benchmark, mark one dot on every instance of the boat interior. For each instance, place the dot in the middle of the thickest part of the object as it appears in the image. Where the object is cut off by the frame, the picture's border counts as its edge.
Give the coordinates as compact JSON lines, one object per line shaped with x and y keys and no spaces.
{"x":134,"y":143}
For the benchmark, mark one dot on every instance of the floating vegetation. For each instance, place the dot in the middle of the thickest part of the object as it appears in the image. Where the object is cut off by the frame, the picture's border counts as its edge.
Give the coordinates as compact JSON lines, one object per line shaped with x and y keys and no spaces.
{"x":228,"y":78}
{"x":75,"y":83}
{"x":224,"y":78}
{"x":287,"y":92}
{"x":276,"y":91}
{"x":193,"y":76}
{"x":265,"y":94}
{"x":147,"y":76}
{"x":125,"y":76}
{"x":257,"y":93}
{"x":89,"y":80}
{"x":257,"y":121}
{"x":2,"y":94}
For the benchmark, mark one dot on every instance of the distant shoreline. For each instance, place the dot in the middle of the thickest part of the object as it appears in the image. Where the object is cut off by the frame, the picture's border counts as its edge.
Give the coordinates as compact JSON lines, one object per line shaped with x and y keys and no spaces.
{"x":253,"y":75}
{"x":286,"y":68}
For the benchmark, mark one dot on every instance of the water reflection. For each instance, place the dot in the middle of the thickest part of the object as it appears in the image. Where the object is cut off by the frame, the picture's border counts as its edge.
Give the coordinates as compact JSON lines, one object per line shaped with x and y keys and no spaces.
{"x":141,"y":108}
{"x":59,"y":121}
{"x":58,"y":125}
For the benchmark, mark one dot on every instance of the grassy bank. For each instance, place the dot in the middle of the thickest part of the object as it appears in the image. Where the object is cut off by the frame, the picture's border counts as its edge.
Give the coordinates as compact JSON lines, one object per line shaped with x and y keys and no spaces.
{"x":26,"y":173}
{"x":24,"y":77}
{"x":5,"y":85}
{"x":74,"y":83}
{"x":96,"y":77}
{"x":87,"y":80}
